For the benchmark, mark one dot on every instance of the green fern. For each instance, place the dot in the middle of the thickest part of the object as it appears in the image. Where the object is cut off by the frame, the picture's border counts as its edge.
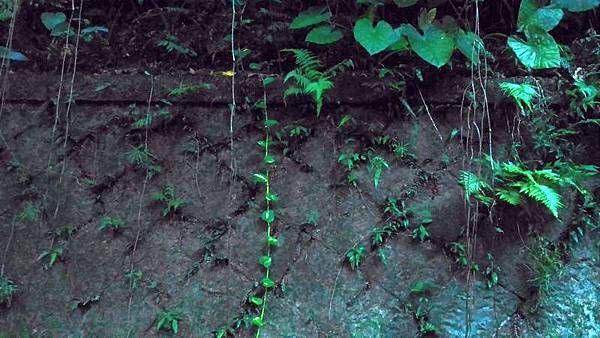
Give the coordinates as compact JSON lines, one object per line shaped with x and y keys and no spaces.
{"x":509,"y":196}
{"x":523,"y":94}
{"x":538,"y":185}
{"x":471,"y":183}
{"x":309,"y":77}
{"x":513,"y":183}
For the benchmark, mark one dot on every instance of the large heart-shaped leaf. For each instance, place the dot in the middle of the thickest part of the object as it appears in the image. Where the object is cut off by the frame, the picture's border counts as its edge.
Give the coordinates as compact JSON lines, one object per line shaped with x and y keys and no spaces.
{"x":539,"y":52}
{"x":533,"y":13}
{"x":577,"y":5}
{"x":324,"y":35}
{"x":309,"y":17}
{"x":374,"y":39}
{"x":434,"y":46}
{"x":6,"y":53}
{"x":51,"y":20}
{"x":470,"y":44}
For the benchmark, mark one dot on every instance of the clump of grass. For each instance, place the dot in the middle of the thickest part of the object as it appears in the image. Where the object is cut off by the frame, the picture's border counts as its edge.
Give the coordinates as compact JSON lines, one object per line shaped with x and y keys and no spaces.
{"x":545,"y":264}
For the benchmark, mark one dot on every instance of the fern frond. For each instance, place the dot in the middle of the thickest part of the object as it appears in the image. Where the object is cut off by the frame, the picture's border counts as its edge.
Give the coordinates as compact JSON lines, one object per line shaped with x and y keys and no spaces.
{"x":510,"y":169}
{"x":339,"y":68}
{"x":313,"y":74}
{"x":545,"y":195}
{"x":292,"y":74}
{"x":292,"y":91}
{"x":305,"y":60}
{"x":548,"y":174}
{"x":509,"y":196}
{"x":523,"y":93}
{"x":471,"y":183}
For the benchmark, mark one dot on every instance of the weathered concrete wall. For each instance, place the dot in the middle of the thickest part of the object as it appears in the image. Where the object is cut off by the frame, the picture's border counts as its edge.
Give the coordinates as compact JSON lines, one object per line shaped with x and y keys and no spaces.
{"x":203,"y":261}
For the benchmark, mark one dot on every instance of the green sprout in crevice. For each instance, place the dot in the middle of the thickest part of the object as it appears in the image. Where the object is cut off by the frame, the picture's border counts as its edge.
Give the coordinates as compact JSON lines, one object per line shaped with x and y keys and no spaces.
{"x":168,"y":197}
{"x":8,"y":288}
{"x":268,"y":216}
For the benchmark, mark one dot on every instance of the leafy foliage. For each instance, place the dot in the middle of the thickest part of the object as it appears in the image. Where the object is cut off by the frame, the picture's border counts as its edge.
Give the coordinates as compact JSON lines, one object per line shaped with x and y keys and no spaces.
{"x":376,"y":166}
{"x":374,"y":39}
{"x":545,"y":263}
{"x":522,"y":93}
{"x":141,"y":157}
{"x":171,"y":44}
{"x":53,"y":254}
{"x":112,"y":224}
{"x":472,"y":184}
{"x":540,"y":51}
{"x":309,"y":17}
{"x":309,"y":77}
{"x":354,"y":256}
{"x":171,"y":202}
{"x":169,"y":320}
{"x":7,"y":290}
{"x":434,"y":45}
{"x":513,"y":182}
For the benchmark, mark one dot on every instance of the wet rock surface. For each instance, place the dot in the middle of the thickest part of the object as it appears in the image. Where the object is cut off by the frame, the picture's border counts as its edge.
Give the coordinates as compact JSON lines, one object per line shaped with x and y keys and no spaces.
{"x":202,"y":261}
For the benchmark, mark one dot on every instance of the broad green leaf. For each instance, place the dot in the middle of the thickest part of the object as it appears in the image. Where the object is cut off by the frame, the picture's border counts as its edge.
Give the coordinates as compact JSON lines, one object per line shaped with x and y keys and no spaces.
{"x":434,"y":46}
{"x":261,"y":178}
{"x":175,"y":326}
{"x":470,"y":44}
{"x":271,"y":197}
{"x":309,"y":17}
{"x":6,"y":53}
{"x":324,"y":35}
{"x":268,"y":216}
{"x":94,"y":29}
{"x":262,"y":143}
{"x":257,"y":321}
{"x":533,"y":13}
{"x":272,"y":241}
{"x":374,"y":39}
{"x":269,"y":159}
{"x":265,"y":261}
{"x":267,"y":282}
{"x":268,"y":80}
{"x":62,"y":29}
{"x":269,"y":123}
{"x":577,"y":5}
{"x":405,"y":3}
{"x":52,"y":20}
{"x":540,"y":51}
{"x":401,"y":42}
{"x":255,"y":300}
{"x":421,"y":286}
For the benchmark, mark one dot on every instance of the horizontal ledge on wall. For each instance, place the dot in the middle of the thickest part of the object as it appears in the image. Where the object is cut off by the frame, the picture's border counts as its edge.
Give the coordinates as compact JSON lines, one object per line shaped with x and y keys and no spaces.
{"x":213,"y":88}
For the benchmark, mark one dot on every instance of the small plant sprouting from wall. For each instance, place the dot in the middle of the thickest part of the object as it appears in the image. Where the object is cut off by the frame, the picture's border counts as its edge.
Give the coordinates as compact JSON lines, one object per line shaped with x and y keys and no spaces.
{"x":141,"y":157}
{"x":268,"y":217}
{"x":52,"y":255}
{"x":169,"y":320}
{"x":171,"y":203}
{"x":309,"y":77}
{"x":8,"y":289}
{"x":112,"y":224}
